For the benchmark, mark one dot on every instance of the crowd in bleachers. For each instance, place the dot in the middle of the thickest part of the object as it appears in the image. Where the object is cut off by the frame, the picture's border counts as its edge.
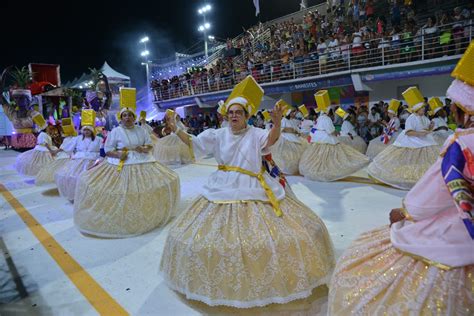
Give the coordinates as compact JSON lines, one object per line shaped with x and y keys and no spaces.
{"x":351,"y":34}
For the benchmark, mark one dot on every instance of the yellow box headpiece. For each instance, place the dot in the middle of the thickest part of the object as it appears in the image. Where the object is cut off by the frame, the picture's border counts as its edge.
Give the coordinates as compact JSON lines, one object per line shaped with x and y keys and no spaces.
{"x":464,"y":70}
{"x":284,"y":106}
{"x":302,"y":108}
{"x":323,"y":101}
{"x":341,"y":113}
{"x":393,"y":106}
{"x":68,"y":127}
{"x":88,"y":117}
{"x":435,"y":105}
{"x":247,"y":93}
{"x":40,"y":121}
{"x":266,"y":115}
{"x":414,"y":99}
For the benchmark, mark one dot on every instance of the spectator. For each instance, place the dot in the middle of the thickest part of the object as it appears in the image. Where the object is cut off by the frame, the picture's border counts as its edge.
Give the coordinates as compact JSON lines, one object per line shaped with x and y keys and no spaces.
{"x":369,"y":9}
{"x":320,"y":44}
{"x":429,"y":31}
{"x":322,"y":54}
{"x":374,"y":120}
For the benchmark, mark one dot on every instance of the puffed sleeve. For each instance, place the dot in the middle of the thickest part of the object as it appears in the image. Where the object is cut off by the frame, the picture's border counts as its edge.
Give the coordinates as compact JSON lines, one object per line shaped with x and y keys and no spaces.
{"x":347,"y":128}
{"x":42,"y":139}
{"x":327,"y":125}
{"x":69,"y":144}
{"x":111,"y":142}
{"x":205,"y":143}
{"x":410,"y":124}
{"x":262,"y":140}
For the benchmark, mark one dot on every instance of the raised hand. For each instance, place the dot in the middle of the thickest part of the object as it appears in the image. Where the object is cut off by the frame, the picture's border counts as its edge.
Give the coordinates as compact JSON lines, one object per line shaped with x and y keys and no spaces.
{"x":277,"y":114}
{"x":396,"y":215}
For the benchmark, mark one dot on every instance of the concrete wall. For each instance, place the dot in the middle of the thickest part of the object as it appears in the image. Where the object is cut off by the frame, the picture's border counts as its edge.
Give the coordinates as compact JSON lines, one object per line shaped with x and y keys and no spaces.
{"x":434,"y":86}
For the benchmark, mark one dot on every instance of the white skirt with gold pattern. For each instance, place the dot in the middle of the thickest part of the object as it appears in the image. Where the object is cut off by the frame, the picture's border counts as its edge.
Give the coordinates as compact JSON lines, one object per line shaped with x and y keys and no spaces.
{"x":374,"y":278}
{"x":172,"y":150}
{"x":242,"y":255}
{"x":287,"y":154}
{"x":376,"y":146}
{"x":67,"y":176}
{"x":139,"y":198}
{"x":402,"y":167}
{"x":30,"y":162}
{"x":328,"y":162}
{"x":356,"y":142}
{"x":46,"y":173}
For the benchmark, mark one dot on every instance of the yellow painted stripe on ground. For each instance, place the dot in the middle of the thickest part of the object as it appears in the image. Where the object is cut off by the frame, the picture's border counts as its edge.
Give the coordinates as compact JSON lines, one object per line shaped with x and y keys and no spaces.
{"x":92,"y":291}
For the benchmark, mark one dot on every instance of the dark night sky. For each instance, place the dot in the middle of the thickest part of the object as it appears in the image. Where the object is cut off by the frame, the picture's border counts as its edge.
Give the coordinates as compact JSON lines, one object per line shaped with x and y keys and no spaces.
{"x":82,"y":34}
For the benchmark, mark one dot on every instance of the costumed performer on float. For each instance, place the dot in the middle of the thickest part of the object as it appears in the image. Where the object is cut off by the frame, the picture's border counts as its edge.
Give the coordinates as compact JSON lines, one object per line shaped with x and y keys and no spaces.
{"x":17,"y":107}
{"x":244,"y":242}
{"x":424,"y":263}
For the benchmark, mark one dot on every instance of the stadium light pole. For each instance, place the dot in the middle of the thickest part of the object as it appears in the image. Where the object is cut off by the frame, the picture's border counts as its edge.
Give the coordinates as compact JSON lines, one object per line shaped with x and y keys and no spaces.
{"x":205,"y":26}
{"x":145,"y":53}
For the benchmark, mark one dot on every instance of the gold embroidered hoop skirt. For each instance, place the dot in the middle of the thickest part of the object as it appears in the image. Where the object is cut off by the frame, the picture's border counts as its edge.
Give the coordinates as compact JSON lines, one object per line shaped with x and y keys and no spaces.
{"x":402,"y":167}
{"x":287,"y":155}
{"x":242,"y":255}
{"x":327,"y":162}
{"x":66,"y":177}
{"x":358,"y":143}
{"x":172,"y":150}
{"x":140,"y":198}
{"x":46,"y":174}
{"x":376,"y":146}
{"x":30,"y":162}
{"x":374,"y":278}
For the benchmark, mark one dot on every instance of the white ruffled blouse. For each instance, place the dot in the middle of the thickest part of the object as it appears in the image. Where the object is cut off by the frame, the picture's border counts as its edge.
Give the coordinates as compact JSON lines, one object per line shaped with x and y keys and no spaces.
{"x":245,"y":150}
{"x":323,"y":131}
{"x":415,"y":123}
{"x":120,"y":138}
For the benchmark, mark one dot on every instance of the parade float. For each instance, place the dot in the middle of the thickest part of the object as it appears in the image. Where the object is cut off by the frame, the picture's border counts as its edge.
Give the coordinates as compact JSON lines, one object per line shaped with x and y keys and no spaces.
{"x":18,"y":108}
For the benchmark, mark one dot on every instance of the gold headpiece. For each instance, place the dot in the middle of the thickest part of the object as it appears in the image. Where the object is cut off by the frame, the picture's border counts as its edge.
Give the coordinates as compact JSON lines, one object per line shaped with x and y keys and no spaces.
{"x":247,"y":93}
{"x":414,"y":99}
{"x":323,"y":101}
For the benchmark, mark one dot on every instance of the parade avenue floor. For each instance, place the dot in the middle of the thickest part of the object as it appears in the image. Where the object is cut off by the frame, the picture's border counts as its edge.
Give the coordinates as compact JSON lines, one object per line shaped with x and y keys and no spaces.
{"x":49,"y":268}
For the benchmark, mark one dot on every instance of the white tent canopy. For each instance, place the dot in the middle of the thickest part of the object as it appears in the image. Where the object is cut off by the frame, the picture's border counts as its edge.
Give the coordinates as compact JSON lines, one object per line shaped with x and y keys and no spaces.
{"x":113,"y":76}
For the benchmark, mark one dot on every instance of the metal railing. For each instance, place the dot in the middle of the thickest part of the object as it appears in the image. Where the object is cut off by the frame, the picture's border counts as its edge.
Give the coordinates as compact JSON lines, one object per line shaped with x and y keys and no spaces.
{"x":449,"y":40}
